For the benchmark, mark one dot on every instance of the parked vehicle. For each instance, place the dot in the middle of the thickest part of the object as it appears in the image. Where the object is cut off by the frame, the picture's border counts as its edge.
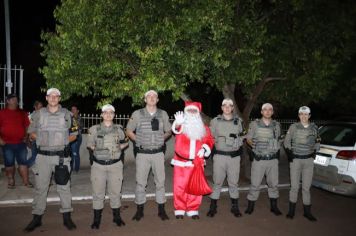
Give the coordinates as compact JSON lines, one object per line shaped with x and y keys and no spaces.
{"x":335,"y":162}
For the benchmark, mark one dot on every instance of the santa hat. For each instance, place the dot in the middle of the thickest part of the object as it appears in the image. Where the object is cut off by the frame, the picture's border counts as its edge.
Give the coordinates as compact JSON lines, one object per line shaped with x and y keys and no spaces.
{"x":192,"y":105}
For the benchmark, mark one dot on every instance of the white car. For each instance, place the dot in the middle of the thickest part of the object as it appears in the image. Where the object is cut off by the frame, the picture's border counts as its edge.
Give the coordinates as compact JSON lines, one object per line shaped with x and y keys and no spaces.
{"x":335,"y":162}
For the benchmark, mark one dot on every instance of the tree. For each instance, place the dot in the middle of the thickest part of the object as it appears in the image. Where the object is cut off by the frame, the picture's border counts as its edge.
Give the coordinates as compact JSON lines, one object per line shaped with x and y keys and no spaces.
{"x":112,"y":49}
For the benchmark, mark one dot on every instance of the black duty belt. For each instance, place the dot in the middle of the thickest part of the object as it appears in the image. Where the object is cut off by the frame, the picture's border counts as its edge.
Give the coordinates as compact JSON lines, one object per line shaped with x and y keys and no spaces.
{"x":106,"y":162}
{"x":265,"y":157}
{"x":150,"y":151}
{"x":231,"y":153}
{"x":51,"y":153}
{"x":303,"y":156}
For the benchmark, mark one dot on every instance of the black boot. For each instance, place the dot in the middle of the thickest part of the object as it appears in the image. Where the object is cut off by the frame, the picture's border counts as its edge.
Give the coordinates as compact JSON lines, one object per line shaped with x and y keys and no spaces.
{"x":97,"y":219}
{"x":213,"y":206}
{"x":235,"y":207}
{"x":67,"y":221}
{"x":139,"y":213}
{"x":116,"y":217}
{"x":307,"y":213}
{"x":291,"y":211}
{"x":274,"y":207}
{"x":36,"y":222}
{"x":250,"y":207}
{"x":162,"y":212}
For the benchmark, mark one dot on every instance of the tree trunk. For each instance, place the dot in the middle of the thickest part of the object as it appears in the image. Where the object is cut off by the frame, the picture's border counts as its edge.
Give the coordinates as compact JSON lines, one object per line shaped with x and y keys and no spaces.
{"x":245,"y":171}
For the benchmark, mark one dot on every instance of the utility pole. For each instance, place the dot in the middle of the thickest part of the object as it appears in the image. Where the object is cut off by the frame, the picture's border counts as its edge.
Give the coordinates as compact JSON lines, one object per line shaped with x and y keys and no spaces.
{"x":8,"y":50}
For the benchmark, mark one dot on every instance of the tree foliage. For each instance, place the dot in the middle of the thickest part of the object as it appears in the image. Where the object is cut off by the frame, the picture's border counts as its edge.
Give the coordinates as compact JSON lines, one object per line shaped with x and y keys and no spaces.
{"x":113,"y":49}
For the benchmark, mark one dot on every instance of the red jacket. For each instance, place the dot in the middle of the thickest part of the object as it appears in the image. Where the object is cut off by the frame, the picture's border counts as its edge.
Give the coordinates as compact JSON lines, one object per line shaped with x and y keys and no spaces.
{"x":184,"y":145}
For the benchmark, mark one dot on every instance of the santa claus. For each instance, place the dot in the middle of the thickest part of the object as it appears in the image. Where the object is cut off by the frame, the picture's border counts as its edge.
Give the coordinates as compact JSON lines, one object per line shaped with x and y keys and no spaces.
{"x":192,"y":140}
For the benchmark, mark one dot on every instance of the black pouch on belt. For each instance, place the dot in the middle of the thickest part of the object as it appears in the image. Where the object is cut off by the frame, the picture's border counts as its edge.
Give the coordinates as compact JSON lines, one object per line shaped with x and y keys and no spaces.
{"x":61,"y":173}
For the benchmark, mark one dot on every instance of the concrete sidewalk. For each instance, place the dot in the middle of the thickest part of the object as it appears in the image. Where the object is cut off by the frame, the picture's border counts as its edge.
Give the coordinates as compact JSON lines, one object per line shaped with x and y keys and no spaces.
{"x":81,"y":185}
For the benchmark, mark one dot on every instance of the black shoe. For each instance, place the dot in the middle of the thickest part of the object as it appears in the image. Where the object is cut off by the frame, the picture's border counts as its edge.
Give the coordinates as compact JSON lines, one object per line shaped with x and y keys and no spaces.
{"x":195,"y":217}
{"x":67,"y":221}
{"x":179,"y":217}
{"x":235,"y":207}
{"x":291,"y":211}
{"x":139,"y":213}
{"x":250,"y":207}
{"x":213,"y":206}
{"x":36,"y":222}
{"x":274,"y":207}
{"x":117,"y":218}
{"x":307,"y":213}
{"x":97,"y":219}
{"x":162,"y":212}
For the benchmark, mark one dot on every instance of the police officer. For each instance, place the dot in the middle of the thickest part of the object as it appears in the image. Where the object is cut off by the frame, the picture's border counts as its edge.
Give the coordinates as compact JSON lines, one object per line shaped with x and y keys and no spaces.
{"x":264,"y":137}
{"x":50,"y":129}
{"x":149,"y":127}
{"x":300,"y":144}
{"x":227,"y":130}
{"x":106,"y":141}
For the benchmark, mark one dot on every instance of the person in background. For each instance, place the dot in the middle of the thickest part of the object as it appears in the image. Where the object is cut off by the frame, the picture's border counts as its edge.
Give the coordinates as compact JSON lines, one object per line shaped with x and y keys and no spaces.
{"x":32,"y":144}
{"x":75,"y":145}
{"x":13,"y":126}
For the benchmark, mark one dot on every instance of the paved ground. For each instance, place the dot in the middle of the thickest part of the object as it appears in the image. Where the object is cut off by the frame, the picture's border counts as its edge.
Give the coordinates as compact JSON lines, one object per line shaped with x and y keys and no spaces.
{"x":336,"y":216}
{"x":81,"y":185}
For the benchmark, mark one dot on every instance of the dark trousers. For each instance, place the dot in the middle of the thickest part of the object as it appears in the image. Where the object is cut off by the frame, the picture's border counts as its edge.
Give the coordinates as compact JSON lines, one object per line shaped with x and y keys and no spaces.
{"x":75,"y":149}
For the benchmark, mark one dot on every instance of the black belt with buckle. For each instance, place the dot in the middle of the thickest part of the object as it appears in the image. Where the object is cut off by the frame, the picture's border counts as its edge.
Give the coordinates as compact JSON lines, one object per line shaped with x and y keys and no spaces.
{"x":265,"y":157}
{"x":106,"y":162}
{"x":303,"y":156}
{"x":231,"y":153}
{"x":150,"y":151}
{"x":51,"y":153}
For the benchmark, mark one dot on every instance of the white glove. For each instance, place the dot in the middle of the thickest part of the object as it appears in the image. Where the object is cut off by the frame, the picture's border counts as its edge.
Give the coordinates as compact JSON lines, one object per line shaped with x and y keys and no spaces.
{"x":201,"y":153}
{"x":179,"y":117}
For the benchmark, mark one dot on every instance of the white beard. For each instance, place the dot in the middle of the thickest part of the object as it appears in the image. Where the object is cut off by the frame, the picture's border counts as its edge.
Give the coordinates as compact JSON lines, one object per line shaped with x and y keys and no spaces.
{"x":193,"y":126}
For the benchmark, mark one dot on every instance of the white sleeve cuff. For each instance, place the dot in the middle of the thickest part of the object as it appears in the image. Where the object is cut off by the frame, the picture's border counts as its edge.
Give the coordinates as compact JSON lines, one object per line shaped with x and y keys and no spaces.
{"x":174,"y":128}
{"x":207,"y":150}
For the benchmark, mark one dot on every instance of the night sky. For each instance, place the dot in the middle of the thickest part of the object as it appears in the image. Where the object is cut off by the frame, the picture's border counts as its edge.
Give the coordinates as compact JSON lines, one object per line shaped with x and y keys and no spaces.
{"x":27,"y":20}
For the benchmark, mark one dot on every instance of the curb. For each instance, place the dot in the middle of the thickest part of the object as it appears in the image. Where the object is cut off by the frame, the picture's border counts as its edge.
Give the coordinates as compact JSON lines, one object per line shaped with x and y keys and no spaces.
{"x":124,"y":196}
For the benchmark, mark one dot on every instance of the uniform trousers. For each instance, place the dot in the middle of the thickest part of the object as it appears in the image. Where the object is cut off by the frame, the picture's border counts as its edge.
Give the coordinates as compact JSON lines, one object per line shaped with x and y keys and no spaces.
{"x":225,"y":166}
{"x":106,"y":177}
{"x":43,"y":169}
{"x":301,"y":169}
{"x":259,"y":169}
{"x":144,"y":163}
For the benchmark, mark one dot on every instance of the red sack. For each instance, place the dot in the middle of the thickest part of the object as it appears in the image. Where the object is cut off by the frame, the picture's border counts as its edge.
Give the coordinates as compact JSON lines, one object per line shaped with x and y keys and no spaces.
{"x":197,"y":184}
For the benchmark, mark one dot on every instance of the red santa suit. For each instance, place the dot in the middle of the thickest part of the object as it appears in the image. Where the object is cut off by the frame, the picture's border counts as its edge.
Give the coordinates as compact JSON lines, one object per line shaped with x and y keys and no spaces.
{"x":186,"y":149}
